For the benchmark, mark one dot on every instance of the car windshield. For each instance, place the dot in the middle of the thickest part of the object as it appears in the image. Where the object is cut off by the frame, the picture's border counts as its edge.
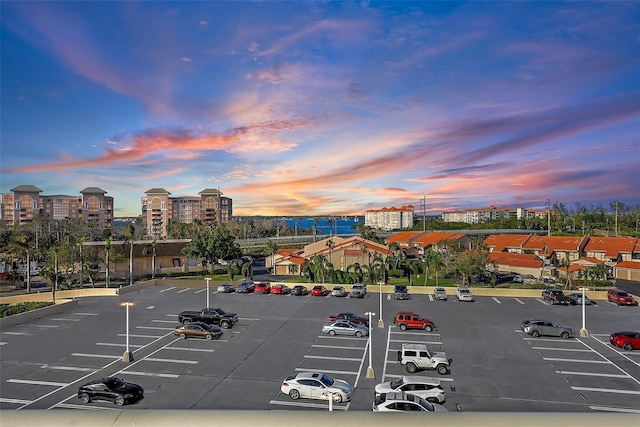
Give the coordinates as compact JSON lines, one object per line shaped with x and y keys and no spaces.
{"x":623,"y":294}
{"x":114,"y":383}
{"x":396,"y":383}
{"x":426,"y":405}
{"x":326,"y":380}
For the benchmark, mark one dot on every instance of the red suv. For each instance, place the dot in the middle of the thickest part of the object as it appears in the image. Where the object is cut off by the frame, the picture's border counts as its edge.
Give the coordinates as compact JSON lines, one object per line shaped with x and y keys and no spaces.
{"x":628,"y":340}
{"x":620,"y":297}
{"x":408,"y":320}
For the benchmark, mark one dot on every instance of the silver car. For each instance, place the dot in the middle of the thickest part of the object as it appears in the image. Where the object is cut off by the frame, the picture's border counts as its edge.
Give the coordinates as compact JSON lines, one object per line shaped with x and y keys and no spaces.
{"x":537,"y":327}
{"x":338,"y":291}
{"x":575,"y":298}
{"x":315,"y":385}
{"x":427,"y":388}
{"x":401,"y":402}
{"x":226,"y":288}
{"x":345,"y":327}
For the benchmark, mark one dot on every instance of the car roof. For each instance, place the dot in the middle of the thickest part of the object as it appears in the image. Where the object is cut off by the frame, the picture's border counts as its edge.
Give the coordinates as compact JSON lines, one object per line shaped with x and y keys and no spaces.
{"x":421,"y":380}
{"x":309,"y":375}
{"x":414,"y":346}
{"x":401,"y":395}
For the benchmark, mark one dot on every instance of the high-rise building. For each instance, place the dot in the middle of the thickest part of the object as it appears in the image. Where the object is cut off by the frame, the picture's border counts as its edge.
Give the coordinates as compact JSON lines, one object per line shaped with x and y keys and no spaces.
{"x":389,"y":218}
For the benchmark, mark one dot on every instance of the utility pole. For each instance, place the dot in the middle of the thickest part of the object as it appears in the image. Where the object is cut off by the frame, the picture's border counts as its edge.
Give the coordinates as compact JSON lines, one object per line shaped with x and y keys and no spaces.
{"x":548,"y":217}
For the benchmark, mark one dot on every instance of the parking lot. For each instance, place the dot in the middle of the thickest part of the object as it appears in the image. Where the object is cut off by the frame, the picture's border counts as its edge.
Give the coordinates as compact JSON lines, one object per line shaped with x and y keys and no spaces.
{"x":495,"y":366}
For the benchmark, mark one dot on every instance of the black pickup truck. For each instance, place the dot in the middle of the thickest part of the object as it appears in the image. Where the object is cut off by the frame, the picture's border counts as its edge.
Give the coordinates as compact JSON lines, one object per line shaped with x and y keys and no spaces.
{"x":556,"y":296}
{"x":212,"y":316}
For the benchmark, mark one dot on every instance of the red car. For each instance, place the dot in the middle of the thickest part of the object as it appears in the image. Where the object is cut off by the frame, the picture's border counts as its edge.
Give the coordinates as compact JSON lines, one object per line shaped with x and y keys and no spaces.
{"x":280,"y":289}
{"x":627,"y":340}
{"x":262,"y":288}
{"x":319,"y":291}
{"x":620,"y":297}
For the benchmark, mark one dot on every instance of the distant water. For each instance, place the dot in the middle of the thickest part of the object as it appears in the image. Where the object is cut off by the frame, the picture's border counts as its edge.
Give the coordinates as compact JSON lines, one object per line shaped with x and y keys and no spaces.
{"x":340,"y":226}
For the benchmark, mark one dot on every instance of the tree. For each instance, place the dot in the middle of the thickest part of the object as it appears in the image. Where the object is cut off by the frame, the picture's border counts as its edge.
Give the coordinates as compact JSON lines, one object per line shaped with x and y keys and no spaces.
{"x":293,"y":268}
{"x":330,"y":244}
{"x":129,"y":238}
{"x":470,"y":264}
{"x":355,"y":272}
{"x":233,"y":270}
{"x":247,"y":269}
{"x":211,"y":245}
{"x":21,"y":246}
{"x":107,"y":251}
{"x":272,"y":247}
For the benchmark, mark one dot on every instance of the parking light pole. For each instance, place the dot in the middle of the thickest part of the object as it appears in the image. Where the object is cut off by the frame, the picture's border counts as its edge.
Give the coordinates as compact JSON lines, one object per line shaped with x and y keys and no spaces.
{"x":208,"y":279}
{"x":380,"y":321}
{"x":583,"y":331}
{"x":370,"y":373}
{"x":128,"y":355}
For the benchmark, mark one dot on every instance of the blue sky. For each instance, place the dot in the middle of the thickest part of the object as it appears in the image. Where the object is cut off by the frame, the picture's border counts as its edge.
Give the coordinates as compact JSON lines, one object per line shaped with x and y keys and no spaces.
{"x":324,"y":108}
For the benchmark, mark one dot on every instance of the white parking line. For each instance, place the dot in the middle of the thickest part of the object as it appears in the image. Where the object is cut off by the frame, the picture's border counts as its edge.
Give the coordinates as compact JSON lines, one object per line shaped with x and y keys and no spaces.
{"x":341,"y":347}
{"x":188,"y":362}
{"x":518,"y":299}
{"x":65,"y":320}
{"x":164,"y":321}
{"x":558,"y":340}
{"x":580,"y":350}
{"x":326,"y":371}
{"x":402,"y":375}
{"x":113,"y":344}
{"x":149,"y":374}
{"x":542,"y":301}
{"x":557,"y":359}
{"x":606,"y":409}
{"x":183,"y":290}
{"x":45,"y":326}
{"x":17,"y":401}
{"x":103,"y":356}
{"x":140,"y":336}
{"x":155,"y":327}
{"x":86,"y":314}
{"x":208,"y":350}
{"x":496,"y":300}
{"x":339,"y":338}
{"x":201,"y":290}
{"x":308,"y":405}
{"x":168,"y":289}
{"x":434,"y":334}
{"x":68,"y":368}
{"x":418,"y":342}
{"x":430,"y":297}
{"x":606,"y":390}
{"x":85,"y":407}
{"x":593,"y":374}
{"x":51,"y":383}
{"x":16,"y":333}
{"x":353,"y":359}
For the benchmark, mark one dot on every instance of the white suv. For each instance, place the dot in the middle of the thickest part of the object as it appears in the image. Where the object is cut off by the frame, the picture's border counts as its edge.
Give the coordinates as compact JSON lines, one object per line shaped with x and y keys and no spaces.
{"x":401,"y":401}
{"x":464,"y":294}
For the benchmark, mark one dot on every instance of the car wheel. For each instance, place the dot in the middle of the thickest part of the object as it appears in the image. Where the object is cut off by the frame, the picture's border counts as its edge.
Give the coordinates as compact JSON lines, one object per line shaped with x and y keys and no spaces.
{"x":294,"y":394}
{"x":182,"y":336}
{"x":225,"y":324}
{"x":403,"y":327}
{"x":84,"y":398}
{"x":411,"y":368}
{"x":535,"y":333}
{"x":428,"y":328}
{"x":627,"y":346}
{"x":208,"y":337}
{"x":618,"y":303}
{"x":442,"y":369}
{"x":564,"y":335}
{"x":119,"y":400}
{"x":358,"y":334}
{"x":332,"y":332}
{"x":337,"y":397}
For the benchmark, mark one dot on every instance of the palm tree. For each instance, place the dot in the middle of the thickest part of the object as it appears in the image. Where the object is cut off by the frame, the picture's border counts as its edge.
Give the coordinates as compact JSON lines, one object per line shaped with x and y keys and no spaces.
{"x":293,"y":268}
{"x":330,"y":221}
{"x":151,"y":248}
{"x":355,"y":272}
{"x":330,"y":244}
{"x":22,"y":246}
{"x":107,"y":249}
{"x":80,"y":242}
{"x":315,"y":221}
{"x":306,"y":270}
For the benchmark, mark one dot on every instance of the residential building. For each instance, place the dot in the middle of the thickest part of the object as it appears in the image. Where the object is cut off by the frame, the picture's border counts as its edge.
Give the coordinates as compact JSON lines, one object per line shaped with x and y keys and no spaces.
{"x":159,"y":209}
{"x":25,"y":203}
{"x":389,"y":218}
{"x":492,"y":213}
{"x":418,"y":243}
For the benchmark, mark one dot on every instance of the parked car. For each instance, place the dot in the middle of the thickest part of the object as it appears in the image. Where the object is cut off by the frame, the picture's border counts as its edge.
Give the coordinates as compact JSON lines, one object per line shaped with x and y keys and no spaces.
{"x":345,"y":327}
{"x":537,"y":327}
{"x":416,"y":357}
{"x":358,"y":290}
{"x":439,"y":293}
{"x":226,"y":288}
{"x":427,"y":388}
{"x":315,"y":385}
{"x":338,"y":291}
{"x":408,"y":320}
{"x":299,"y":290}
{"x":400,"y":292}
{"x":627,"y":340}
{"x":464,"y":294}
{"x":620,"y":297}
{"x":319,"y":291}
{"x":212,"y":316}
{"x":246,"y":287}
{"x":352,"y":317}
{"x":401,"y":401}
{"x":280,"y":289}
{"x":575,"y":298}
{"x":262,"y":288}
{"x":198,"y":330}
{"x":555,"y":296}
{"x":111,"y":389}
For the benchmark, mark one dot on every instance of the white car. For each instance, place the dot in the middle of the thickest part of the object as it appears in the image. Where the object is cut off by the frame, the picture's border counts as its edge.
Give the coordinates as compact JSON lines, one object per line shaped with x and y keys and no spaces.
{"x":401,"y":401}
{"x":464,"y":294}
{"x":427,"y":388}
{"x":338,"y":291}
{"x":315,"y":385}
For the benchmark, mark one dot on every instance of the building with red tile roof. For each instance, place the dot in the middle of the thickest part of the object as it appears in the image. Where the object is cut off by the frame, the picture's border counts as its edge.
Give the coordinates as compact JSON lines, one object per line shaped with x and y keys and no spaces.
{"x":611,"y":249}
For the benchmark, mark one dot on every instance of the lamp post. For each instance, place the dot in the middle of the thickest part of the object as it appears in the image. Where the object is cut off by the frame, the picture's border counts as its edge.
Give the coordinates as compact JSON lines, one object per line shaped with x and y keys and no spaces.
{"x":548,"y":217}
{"x":370,"y":373}
{"x":583,"y":331}
{"x":380,"y":321}
{"x":128,"y":355}
{"x":423,"y":205}
{"x":208,"y":279}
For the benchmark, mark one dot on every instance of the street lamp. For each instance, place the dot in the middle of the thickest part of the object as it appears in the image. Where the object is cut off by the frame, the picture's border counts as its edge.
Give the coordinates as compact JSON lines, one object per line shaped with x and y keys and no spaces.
{"x":370,"y":373}
{"x":128,"y":355}
{"x":548,"y":217}
{"x":583,"y":331}
{"x":423,"y":205}
{"x":208,"y":279}
{"x":380,"y":322}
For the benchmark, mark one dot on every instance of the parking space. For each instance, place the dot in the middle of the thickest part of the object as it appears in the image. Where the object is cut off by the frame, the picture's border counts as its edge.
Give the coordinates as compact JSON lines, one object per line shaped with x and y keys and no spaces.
{"x":495,"y":366}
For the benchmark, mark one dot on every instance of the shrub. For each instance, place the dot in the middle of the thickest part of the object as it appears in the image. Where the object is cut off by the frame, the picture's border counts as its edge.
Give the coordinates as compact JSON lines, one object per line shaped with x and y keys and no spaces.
{"x":23,"y":307}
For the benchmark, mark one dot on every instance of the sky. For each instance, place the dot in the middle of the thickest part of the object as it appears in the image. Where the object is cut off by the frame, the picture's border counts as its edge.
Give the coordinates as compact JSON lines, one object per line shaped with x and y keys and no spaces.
{"x":324,"y":107}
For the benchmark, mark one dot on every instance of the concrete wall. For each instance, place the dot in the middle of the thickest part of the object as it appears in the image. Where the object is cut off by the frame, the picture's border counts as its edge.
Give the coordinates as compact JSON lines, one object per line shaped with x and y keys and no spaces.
{"x":59,"y":307}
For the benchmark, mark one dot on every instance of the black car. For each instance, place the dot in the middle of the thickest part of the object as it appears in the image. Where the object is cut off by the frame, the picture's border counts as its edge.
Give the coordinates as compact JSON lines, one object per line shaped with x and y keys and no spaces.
{"x":112,"y":389}
{"x":400,"y":292}
{"x":299,"y":290}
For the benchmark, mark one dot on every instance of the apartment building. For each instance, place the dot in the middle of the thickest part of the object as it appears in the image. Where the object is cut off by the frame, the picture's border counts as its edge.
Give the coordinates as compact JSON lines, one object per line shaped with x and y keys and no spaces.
{"x":25,"y":203}
{"x":159,"y":209}
{"x":492,"y":213}
{"x":388,"y":219}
